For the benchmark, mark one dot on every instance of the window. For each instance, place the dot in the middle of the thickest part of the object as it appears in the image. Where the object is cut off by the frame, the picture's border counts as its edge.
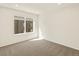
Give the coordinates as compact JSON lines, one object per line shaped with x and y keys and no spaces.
{"x":18,"y":24}
{"x":20,"y":27}
{"x":29,"y":26}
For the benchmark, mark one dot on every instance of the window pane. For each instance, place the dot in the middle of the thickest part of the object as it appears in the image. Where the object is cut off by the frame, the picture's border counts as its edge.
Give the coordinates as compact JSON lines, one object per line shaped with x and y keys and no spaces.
{"x":29,"y":26}
{"x":18,"y":26}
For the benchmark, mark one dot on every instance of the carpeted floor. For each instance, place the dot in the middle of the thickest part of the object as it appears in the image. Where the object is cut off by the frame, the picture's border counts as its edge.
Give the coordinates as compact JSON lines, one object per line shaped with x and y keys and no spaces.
{"x":37,"y":48}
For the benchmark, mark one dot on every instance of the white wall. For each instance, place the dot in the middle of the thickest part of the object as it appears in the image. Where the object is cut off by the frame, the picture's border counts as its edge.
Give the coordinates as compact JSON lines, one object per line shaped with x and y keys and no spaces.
{"x":7,"y":35}
{"x":61,"y":26}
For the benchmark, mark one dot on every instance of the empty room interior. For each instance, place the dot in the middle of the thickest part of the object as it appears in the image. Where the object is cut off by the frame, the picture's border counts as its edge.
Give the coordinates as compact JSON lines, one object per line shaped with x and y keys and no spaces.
{"x":39,"y":29}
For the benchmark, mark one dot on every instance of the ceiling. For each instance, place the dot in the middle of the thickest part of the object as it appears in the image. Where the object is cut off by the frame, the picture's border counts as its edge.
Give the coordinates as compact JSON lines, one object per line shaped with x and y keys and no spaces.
{"x":38,"y":7}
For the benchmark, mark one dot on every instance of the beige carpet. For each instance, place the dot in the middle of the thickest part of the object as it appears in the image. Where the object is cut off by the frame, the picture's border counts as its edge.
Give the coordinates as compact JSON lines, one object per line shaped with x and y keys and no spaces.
{"x":37,"y":48}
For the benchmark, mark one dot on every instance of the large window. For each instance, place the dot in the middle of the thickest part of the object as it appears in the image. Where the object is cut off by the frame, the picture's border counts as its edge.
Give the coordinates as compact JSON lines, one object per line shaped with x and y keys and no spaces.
{"x":22,"y":25}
